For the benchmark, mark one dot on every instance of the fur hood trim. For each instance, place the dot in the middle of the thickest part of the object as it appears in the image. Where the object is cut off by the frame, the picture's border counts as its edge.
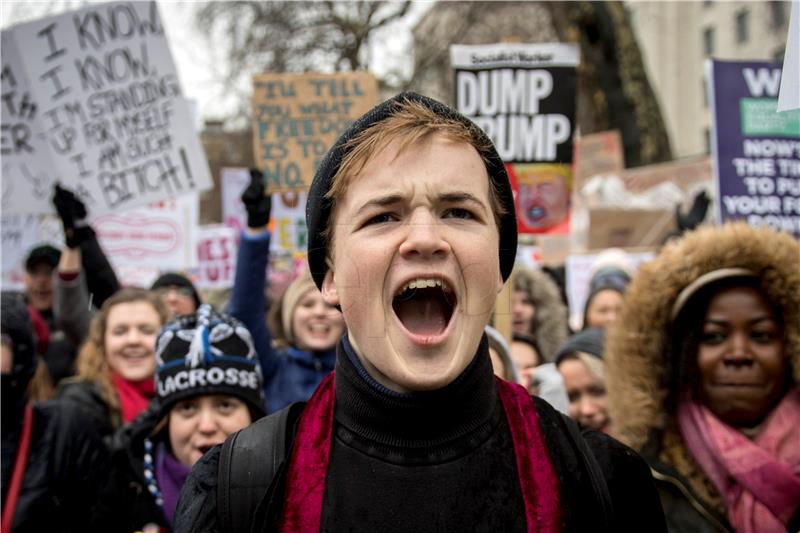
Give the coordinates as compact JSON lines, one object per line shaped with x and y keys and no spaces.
{"x":550,"y":320}
{"x":638,"y":344}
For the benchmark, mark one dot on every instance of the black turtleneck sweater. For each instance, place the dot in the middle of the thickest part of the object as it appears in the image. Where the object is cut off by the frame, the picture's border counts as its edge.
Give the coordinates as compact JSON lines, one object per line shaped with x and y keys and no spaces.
{"x":434,"y":461}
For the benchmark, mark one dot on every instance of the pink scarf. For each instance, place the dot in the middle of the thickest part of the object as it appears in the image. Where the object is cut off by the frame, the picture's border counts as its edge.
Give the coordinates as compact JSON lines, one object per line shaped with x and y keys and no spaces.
{"x":759,"y":479}
{"x":308,"y":465}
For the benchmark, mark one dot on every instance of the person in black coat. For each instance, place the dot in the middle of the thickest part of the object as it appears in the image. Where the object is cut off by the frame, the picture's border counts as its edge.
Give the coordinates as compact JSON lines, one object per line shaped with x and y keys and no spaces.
{"x":204,"y":394}
{"x":53,"y":464}
{"x":412,"y":233}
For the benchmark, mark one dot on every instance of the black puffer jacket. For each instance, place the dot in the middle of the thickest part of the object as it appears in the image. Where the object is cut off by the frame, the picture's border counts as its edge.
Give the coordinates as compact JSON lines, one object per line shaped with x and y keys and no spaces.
{"x":67,"y":468}
{"x":126,"y":505}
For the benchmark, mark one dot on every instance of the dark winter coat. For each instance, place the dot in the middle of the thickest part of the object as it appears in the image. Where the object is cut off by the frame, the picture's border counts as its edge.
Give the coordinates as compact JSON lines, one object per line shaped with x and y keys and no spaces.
{"x":638,"y":358}
{"x":290,"y":375}
{"x":86,"y":396}
{"x":635,"y":503}
{"x":126,"y":505}
{"x":66,"y":471}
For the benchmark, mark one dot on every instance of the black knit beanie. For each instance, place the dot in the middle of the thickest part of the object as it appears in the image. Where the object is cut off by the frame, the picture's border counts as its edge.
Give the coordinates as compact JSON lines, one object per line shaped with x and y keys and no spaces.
{"x":207,"y":353}
{"x":588,"y":341}
{"x":318,"y":208}
{"x":173,"y":279}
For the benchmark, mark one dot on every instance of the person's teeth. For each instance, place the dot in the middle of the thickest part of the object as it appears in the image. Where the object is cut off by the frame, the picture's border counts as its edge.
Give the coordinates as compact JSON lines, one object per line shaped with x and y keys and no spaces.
{"x":423,"y":283}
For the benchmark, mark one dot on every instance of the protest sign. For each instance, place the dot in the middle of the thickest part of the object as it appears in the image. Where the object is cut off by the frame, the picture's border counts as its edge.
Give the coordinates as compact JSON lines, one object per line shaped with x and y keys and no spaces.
{"x":523,"y":96}
{"x":233,"y":181}
{"x":756,"y":149}
{"x":686,"y":174}
{"x":216,"y":257}
{"x":578,"y":271}
{"x":289,"y":223}
{"x":20,"y":233}
{"x":27,"y":172}
{"x":789,"y":96}
{"x":628,"y":228}
{"x":298,"y":117}
{"x":598,"y":153}
{"x":110,"y":107}
{"x":141,"y":242}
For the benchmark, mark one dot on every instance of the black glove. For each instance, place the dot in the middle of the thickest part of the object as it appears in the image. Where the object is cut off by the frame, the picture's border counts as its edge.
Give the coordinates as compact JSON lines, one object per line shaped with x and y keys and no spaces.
{"x":258,"y":204}
{"x":696,"y":214}
{"x":73,"y":217}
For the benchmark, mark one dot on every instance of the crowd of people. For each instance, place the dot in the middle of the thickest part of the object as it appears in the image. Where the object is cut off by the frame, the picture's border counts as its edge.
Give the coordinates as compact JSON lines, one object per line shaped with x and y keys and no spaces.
{"x":391,"y":402}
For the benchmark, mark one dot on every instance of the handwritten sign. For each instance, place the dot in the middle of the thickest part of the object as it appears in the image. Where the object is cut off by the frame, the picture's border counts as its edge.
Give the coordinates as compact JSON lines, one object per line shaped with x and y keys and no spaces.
{"x":523,"y":96}
{"x":110,"y":108}
{"x":298,"y":117}
{"x":27,"y":171}
{"x":216,"y":257}
{"x":756,"y":148}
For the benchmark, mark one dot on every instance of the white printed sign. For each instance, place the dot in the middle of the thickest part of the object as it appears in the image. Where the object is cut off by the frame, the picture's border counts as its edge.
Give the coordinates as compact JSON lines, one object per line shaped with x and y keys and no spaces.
{"x":110,"y":107}
{"x":216,"y":257}
{"x":143,"y":241}
{"x":579,"y":273}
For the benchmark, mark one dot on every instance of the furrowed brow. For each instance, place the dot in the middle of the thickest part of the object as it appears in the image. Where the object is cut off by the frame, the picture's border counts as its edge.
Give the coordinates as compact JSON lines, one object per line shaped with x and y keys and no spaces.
{"x":381,"y":201}
{"x":461,"y":198}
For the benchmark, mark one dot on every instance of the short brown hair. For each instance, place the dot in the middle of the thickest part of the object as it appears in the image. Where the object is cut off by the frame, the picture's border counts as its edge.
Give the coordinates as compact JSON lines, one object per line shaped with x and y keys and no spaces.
{"x":411,"y":122}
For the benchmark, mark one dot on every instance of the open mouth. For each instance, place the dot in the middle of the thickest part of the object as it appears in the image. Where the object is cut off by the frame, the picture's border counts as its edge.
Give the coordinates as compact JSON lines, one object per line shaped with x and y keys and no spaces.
{"x":205,"y":448}
{"x":425,"y":306}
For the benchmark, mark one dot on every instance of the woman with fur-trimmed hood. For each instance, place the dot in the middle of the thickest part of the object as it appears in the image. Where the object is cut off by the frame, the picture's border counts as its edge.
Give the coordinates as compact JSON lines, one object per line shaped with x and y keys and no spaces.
{"x":702,"y":373}
{"x":537,"y":309}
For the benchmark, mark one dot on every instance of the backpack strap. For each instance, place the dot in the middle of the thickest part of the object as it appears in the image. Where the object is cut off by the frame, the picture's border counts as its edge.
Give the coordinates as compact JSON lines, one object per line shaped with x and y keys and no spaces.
{"x":596,"y":476}
{"x":247,"y":465}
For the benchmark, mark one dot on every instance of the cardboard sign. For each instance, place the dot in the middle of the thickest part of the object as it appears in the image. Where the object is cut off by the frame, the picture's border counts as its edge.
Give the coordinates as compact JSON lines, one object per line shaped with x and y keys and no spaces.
{"x":756,"y":148}
{"x":216,"y":257}
{"x":27,"y":172}
{"x":628,"y":228}
{"x":110,"y":108}
{"x":298,"y":117}
{"x":598,"y":153}
{"x":523,"y":96}
{"x":578,"y":270}
{"x":685,"y":174}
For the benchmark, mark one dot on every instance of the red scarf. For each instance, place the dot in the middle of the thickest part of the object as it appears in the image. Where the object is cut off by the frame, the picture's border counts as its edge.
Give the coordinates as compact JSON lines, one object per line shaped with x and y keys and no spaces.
{"x":308,"y":465}
{"x":760,"y":478}
{"x":133,"y":395}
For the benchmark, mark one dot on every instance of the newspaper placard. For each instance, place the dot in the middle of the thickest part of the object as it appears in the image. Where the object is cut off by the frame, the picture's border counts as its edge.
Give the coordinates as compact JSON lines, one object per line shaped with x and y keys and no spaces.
{"x":110,"y":106}
{"x":298,"y":117}
{"x":523,"y":96}
{"x":216,"y":257}
{"x":756,"y":148}
{"x":27,"y":172}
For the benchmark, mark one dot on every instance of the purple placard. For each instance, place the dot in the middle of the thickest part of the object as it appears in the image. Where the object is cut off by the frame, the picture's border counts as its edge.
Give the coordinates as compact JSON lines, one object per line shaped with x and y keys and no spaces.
{"x":756,"y":149}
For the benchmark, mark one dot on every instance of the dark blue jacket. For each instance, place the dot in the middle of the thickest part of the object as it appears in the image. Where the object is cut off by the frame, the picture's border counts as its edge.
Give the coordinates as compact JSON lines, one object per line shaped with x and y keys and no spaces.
{"x":290,"y":375}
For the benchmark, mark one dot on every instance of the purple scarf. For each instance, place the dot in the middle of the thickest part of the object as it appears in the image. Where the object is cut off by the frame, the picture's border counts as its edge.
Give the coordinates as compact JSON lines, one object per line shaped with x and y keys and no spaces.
{"x":171,"y":475}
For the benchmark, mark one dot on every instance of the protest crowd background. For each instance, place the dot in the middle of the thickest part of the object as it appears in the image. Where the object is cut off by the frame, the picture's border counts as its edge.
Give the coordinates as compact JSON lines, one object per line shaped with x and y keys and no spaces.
{"x":156,"y":293}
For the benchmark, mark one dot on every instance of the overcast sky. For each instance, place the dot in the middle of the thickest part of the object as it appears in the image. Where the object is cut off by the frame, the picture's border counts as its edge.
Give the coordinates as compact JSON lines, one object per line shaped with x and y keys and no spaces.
{"x":193,"y":59}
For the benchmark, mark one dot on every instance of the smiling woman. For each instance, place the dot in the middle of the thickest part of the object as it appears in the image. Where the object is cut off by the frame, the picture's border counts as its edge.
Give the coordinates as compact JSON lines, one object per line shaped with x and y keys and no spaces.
{"x":116,"y":364}
{"x":702,"y":374}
